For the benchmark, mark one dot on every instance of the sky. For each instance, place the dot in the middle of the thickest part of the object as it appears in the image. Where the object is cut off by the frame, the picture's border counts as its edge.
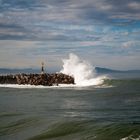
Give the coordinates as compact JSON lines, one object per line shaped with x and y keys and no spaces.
{"x":104,"y":32}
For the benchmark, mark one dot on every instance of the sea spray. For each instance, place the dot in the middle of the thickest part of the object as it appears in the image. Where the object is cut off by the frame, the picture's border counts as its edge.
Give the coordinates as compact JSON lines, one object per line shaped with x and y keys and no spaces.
{"x":82,"y":71}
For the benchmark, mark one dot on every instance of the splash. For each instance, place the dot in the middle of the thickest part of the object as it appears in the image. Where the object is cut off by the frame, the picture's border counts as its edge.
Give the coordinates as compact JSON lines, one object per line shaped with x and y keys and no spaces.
{"x":83,"y":72}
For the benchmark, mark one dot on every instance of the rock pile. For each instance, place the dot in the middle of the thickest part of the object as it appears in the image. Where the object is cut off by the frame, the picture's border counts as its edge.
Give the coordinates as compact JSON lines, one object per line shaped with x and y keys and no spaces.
{"x":8,"y":79}
{"x":37,"y":79}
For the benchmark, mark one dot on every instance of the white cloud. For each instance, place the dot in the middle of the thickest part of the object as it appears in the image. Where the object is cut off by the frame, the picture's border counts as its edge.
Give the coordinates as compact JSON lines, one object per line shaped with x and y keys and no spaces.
{"x":128,"y":44}
{"x":134,"y":5}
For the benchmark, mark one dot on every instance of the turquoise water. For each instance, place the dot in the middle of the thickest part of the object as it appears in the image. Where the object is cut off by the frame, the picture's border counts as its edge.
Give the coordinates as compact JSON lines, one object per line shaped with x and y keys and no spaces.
{"x":107,"y":112}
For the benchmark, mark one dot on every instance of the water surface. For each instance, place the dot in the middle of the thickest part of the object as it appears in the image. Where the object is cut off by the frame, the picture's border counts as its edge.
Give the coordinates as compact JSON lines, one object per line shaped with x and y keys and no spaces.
{"x":107,"y":112}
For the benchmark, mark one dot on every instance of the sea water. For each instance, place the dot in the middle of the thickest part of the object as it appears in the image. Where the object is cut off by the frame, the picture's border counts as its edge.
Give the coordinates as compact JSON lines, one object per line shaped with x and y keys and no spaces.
{"x":107,"y":109}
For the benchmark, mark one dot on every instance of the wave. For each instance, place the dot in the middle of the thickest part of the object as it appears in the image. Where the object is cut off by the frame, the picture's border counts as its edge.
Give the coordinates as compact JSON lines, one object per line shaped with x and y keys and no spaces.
{"x":121,"y":82}
{"x":82,"y":71}
{"x":89,"y":130}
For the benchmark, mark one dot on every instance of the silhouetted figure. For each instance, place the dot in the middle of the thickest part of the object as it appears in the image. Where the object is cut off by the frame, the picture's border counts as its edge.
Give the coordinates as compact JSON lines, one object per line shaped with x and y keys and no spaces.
{"x":42,"y":68}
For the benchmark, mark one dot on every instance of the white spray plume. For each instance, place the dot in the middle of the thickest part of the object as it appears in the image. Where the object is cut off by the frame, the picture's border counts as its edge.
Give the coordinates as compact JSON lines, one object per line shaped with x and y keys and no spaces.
{"x":82,"y":71}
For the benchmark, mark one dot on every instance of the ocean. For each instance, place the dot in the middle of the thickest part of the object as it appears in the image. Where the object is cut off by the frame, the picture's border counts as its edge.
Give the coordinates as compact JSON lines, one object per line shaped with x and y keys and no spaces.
{"x":110,"y":111}
{"x":97,"y":107}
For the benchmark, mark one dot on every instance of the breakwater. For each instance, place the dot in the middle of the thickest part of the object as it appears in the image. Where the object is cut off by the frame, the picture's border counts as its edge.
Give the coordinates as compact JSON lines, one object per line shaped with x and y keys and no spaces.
{"x":37,"y":79}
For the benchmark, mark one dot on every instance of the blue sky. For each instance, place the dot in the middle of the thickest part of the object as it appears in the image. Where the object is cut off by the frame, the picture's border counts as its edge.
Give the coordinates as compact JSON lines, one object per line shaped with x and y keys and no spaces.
{"x":104,"y":32}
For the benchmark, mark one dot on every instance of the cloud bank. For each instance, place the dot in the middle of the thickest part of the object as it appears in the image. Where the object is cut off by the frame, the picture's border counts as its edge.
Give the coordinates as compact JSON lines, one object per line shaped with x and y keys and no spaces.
{"x":104,"y":29}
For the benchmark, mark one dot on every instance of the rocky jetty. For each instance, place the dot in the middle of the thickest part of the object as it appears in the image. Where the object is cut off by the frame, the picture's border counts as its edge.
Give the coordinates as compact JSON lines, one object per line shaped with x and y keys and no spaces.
{"x":44,"y":79}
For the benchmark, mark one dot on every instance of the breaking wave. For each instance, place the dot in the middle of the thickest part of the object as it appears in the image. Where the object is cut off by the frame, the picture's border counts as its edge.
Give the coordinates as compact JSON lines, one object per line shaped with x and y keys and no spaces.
{"x":83,"y":72}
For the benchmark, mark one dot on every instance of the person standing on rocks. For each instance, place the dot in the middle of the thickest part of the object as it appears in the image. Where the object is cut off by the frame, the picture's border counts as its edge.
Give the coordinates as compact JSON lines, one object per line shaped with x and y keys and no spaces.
{"x":42,"y":68}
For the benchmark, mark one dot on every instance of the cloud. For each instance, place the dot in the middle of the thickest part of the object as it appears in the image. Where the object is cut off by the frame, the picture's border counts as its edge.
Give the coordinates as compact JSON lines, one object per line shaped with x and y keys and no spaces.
{"x":89,"y":27}
{"x":67,"y":15}
{"x":128,"y":44}
{"x":19,"y":4}
{"x":134,"y":5}
{"x":132,"y":45}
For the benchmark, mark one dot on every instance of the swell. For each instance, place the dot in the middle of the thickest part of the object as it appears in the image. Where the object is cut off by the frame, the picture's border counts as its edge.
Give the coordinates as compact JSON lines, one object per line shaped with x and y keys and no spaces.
{"x":16,"y":126}
{"x":89,"y":130}
{"x":121,"y":82}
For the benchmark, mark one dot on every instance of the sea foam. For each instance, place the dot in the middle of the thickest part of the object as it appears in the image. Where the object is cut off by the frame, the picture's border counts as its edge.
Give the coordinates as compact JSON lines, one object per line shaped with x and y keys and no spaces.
{"x":82,"y":71}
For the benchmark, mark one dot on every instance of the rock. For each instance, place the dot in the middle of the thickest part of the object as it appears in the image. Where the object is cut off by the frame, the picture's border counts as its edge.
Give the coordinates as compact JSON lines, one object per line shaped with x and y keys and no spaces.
{"x":37,"y":79}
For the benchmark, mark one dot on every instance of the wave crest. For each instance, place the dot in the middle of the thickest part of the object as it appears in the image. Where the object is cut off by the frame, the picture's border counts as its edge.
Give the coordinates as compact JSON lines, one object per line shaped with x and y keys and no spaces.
{"x":82,"y":71}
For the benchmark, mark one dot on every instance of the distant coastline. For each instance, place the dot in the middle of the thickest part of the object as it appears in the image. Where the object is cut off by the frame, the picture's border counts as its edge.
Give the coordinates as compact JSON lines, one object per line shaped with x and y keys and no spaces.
{"x":107,"y":70}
